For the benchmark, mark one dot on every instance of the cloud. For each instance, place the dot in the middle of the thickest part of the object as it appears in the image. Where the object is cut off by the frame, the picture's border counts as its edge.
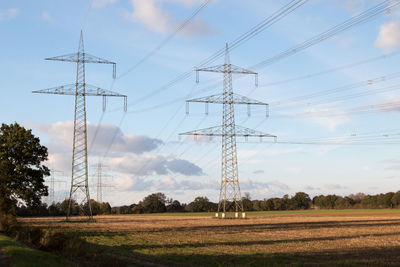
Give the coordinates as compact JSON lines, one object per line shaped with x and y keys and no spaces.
{"x":247,"y":184}
{"x":331,"y":123}
{"x":392,"y":164}
{"x":168,"y":183}
{"x":172,"y":184}
{"x":312,"y":188}
{"x":152,"y":15}
{"x":389,"y":106}
{"x":60,"y":134}
{"x":332,"y":187}
{"x":184,"y":167}
{"x":129,"y":155}
{"x":354,"y":6}
{"x":46,"y":16}
{"x":102,"y":3}
{"x":8,"y":14}
{"x":389,"y":36}
{"x":153,"y":165}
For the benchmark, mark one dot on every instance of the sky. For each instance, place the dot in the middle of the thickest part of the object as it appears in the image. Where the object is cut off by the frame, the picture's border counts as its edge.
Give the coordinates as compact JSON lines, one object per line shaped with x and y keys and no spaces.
{"x":141,"y":149}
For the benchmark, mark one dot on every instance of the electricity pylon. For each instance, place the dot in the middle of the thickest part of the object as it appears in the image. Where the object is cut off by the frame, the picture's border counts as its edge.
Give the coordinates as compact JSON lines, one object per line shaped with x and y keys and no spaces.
{"x":230,"y":189}
{"x":99,"y":184}
{"x":79,"y":178}
{"x":52,"y":183}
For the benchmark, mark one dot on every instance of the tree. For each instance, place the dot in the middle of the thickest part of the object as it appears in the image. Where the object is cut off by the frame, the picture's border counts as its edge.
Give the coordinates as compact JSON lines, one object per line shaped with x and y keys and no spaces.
{"x":21,"y":170}
{"x":74,"y":207}
{"x":300,"y":201}
{"x":154,"y":203}
{"x":201,"y":204}
{"x":396,"y":199}
{"x":105,"y":208}
{"x":246,"y":201}
{"x":174,"y":206}
{"x":343,"y":203}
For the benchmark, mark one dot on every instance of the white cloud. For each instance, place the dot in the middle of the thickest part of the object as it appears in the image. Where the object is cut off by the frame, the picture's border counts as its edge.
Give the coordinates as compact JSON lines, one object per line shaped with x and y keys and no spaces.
{"x":46,"y":16}
{"x":153,"y":165}
{"x":389,"y":36}
{"x":8,"y":14}
{"x":151,"y":14}
{"x":102,"y":3}
{"x":60,"y":134}
{"x":331,"y":123}
{"x":333,"y":187}
{"x":128,"y":156}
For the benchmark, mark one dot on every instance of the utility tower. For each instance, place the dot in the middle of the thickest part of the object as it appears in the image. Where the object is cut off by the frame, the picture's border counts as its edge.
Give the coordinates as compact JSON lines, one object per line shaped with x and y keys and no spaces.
{"x":52,"y":184}
{"x":79,"y":178}
{"x":230,"y":198}
{"x":99,"y":184}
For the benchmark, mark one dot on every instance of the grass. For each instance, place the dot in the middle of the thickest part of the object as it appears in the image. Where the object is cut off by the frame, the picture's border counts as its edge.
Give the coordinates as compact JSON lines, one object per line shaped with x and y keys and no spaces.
{"x":327,"y":237}
{"x":23,"y":256}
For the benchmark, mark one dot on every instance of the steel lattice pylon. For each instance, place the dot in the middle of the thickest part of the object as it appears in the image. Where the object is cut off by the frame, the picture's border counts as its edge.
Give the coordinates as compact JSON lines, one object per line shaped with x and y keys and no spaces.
{"x":79,"y":177}
{"x":230,"y":198}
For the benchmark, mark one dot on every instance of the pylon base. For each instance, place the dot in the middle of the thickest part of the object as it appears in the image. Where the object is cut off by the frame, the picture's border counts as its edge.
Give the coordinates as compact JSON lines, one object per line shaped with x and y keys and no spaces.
{"x":236,"y":215}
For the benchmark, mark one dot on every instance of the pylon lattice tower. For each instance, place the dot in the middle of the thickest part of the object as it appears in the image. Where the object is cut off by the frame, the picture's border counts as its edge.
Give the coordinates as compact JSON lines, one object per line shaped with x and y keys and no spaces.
{"x":52,"y":184}
{"x":79,"y":175}
{"x":99,"y":184}
{"x":230,"y":198}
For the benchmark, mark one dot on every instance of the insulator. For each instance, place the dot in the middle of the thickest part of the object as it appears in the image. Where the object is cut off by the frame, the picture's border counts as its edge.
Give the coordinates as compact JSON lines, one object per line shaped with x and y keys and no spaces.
{"x":104,"y":103}
{"x":248,"y":110}
{"x":206,"y":108}
{"x":187,"y":108}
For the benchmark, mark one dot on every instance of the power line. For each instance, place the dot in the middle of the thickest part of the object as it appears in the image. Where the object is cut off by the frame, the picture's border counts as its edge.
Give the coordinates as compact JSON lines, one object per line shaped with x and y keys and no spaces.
{"x":166,"y":40}
{"x":365,"y":16}
{"x":319,"y":73}
{"x":269,"y":21}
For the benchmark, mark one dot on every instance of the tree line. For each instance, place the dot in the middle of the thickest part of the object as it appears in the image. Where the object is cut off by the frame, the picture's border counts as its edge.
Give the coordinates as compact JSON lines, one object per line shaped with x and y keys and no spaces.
{"x":159,"y":203}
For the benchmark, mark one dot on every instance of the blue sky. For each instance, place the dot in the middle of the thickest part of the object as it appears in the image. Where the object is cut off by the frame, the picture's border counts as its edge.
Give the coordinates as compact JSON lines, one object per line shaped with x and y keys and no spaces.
{"x":147,"y":155}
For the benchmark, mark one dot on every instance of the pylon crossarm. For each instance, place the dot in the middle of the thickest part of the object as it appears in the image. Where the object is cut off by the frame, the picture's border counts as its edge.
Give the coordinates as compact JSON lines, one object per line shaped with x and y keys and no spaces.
{"x":218,"y":131}
{"x":70,"y":89}
{"x":76,"y":57}
{"x":219,"y":99}
{"x":227,"y":68}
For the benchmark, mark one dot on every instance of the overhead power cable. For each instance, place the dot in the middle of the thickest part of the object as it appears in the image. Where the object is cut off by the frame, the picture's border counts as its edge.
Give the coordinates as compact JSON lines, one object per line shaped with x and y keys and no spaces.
{"x":270,"y":20}
{"x":365,"y":16}
{"x":266,"y":23}
{"x":292,"y":102}
{"x":354,"y":21}
{"x":166,"y":40}
{"x":338,"y":68}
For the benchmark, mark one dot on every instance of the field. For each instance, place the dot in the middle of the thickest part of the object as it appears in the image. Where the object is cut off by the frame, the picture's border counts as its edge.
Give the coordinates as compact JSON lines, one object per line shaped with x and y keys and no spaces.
{"x":352,"y":237}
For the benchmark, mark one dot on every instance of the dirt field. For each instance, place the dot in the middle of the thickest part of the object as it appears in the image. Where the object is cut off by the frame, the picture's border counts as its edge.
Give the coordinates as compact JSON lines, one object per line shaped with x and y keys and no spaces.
{"x":309,"y":238}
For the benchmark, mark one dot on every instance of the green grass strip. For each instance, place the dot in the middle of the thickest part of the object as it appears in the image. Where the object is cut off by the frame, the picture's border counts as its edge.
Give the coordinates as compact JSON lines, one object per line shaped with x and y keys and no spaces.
{"x":22,"y":256}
